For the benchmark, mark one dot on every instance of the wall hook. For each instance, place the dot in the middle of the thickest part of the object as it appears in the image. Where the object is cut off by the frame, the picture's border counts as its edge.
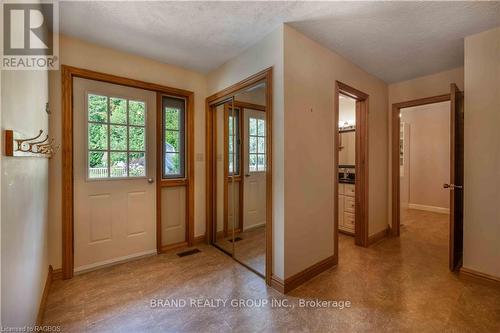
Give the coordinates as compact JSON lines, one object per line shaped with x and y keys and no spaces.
{"x":15,"y":145}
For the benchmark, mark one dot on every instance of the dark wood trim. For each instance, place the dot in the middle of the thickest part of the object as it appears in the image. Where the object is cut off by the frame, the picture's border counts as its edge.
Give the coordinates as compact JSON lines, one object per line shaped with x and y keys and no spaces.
{"x":173,"y":182}
{"x":361,"y":225}
{"x":480,"y":276}
{"x":245,"y":105}
{"x":45,"y":294}
{"x":9,"y":143}
{"x":187,"y":182}
{"x":165,"y":248}
{"x":378,"y":236}
{"x":265,"y":75}
{"x":278,"y":284}
{"x":159,"y":171}
{"x":268,"y":74}
{"x":210,"y":209}
{"x":56,"y":274}
{"x":296,"y":280}
{"x":395,"y":124}
{"x":67,"y":171}
{"x":199,"y":240}
{"x":231,"y":90}
{"x":348,"y":233}
{"x":361,"y":231}
{"x":456,"y":233}
{"x":336,"y":145}
{"x":67,"y":75}
{"x":237,"y":178}
{"x":225,"y":163}
{"x":190,"y":137}
{"x":351,"y":92}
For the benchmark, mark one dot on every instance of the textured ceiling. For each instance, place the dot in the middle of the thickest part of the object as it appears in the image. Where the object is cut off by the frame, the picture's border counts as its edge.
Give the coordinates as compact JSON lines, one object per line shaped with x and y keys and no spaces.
{"x":392,"y":40}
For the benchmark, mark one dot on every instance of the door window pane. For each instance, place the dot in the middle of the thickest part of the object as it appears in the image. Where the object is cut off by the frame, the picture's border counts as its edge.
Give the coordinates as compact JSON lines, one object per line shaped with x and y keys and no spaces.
{"x":98,"y":137}
{"x":137,"y":113}
{"x":116,"y":126}
{"x":118,"y":110}
{"x":98,"y":108}
{"x":137,"y":138}
{"x":257,"y":145}
{"x":98,"y":164}
{"x":137,"y":164}
{"x":118,"y":137}
{"x":118,"y":164}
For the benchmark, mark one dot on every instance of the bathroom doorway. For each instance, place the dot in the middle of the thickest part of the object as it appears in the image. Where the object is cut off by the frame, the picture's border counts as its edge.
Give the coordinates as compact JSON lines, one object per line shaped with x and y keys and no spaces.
{"x":351,"y":165}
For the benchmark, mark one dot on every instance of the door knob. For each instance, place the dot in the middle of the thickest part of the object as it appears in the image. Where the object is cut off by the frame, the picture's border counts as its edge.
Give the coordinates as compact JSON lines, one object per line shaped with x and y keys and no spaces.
{"x":452,"y":186}
{"x":247,"y":175}
{"x":151,"y":180}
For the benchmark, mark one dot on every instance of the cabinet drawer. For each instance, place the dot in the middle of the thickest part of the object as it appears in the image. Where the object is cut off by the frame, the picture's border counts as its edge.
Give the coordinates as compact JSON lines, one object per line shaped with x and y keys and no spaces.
{"x":341,"y":189}
{"x":349,"y":220}
{"x":349,"y":190}
{"x":349,"y":204}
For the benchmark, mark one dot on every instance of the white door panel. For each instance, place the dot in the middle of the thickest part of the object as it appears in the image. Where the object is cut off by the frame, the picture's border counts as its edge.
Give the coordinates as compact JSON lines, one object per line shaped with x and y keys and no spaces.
{"x":254,"y":198}
{"x":174,"y":215}
{"x":115,"y":219}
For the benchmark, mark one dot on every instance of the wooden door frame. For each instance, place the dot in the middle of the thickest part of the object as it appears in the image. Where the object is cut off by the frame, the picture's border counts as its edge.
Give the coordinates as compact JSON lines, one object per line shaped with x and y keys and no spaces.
{"x":237,"y":178}
{"x":361,"y":185}
{"x":68,"y":73}
{"x":395,"y":128}
{"x":265,"y":75}
{"x":187,"y":181}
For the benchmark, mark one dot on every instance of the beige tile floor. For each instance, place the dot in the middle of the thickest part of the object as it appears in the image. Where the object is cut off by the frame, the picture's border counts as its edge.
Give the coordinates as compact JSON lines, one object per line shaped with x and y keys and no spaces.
{"x":397,"y":285}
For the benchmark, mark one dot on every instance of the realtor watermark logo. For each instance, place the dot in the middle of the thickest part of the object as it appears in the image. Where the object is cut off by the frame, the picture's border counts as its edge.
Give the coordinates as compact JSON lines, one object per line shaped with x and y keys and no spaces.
{"x":30,"y":36}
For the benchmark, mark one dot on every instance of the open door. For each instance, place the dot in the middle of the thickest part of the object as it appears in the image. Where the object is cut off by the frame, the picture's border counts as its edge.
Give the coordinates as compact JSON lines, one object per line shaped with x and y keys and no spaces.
{"x":456,"y":178}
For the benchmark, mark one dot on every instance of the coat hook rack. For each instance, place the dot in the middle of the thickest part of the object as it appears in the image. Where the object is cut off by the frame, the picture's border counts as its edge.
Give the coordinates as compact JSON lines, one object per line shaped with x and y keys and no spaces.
{"x":39,"y":145}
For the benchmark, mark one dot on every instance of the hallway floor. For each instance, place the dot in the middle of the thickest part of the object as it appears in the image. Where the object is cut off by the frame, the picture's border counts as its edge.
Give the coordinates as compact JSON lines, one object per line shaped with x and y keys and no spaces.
{"x":396,"y":285}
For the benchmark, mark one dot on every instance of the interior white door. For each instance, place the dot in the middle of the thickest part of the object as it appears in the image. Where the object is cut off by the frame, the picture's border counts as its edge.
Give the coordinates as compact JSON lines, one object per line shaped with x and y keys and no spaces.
{"x":254,"y":150}
{"x":114,"y":168}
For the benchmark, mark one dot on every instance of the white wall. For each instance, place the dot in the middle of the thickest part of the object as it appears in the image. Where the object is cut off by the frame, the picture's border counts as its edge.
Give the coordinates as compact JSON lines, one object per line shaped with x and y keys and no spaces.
{"x":24,"y":227}
{"x":428,"y":156}
{"x":310,"y":73}
{"x":482,"y":153}
{"x":89,"y":56}
{"x":266,"y":53}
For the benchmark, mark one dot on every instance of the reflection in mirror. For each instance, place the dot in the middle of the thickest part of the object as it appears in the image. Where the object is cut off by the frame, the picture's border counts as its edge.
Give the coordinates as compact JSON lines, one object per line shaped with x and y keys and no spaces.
{"x":347,"y":131}
{"x":250,"y":184}
{"x":226,"y":132}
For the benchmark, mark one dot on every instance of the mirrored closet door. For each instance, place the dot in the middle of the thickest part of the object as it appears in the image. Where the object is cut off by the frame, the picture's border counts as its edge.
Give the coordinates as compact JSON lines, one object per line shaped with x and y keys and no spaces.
{"x":239,"y":140}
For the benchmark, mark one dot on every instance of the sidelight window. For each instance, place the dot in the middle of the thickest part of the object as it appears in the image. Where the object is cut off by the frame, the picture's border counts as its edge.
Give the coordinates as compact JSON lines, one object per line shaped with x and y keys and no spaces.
{"x":174,"y":120}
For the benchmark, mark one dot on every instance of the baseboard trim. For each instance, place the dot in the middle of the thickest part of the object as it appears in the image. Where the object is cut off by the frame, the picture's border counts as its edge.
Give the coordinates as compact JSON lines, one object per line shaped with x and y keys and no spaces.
{"x":254,"y":226}
{"x":481,"y":276}
{"x":278,"y":284}
{"x":114,"y":261}
{"x":199,"y":239}
{"x":296,"y":280}
{"x":433,"y":209}
{"x":348,"y":233}
{"x":57,"y":274}
{"x":378,"y":236}
{"x":45,"y":295}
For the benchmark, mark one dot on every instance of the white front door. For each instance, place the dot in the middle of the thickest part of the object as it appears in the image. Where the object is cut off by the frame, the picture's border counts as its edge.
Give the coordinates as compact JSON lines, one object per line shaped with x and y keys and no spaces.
{"x":114,"y":156}
{"x":255,"y":155}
